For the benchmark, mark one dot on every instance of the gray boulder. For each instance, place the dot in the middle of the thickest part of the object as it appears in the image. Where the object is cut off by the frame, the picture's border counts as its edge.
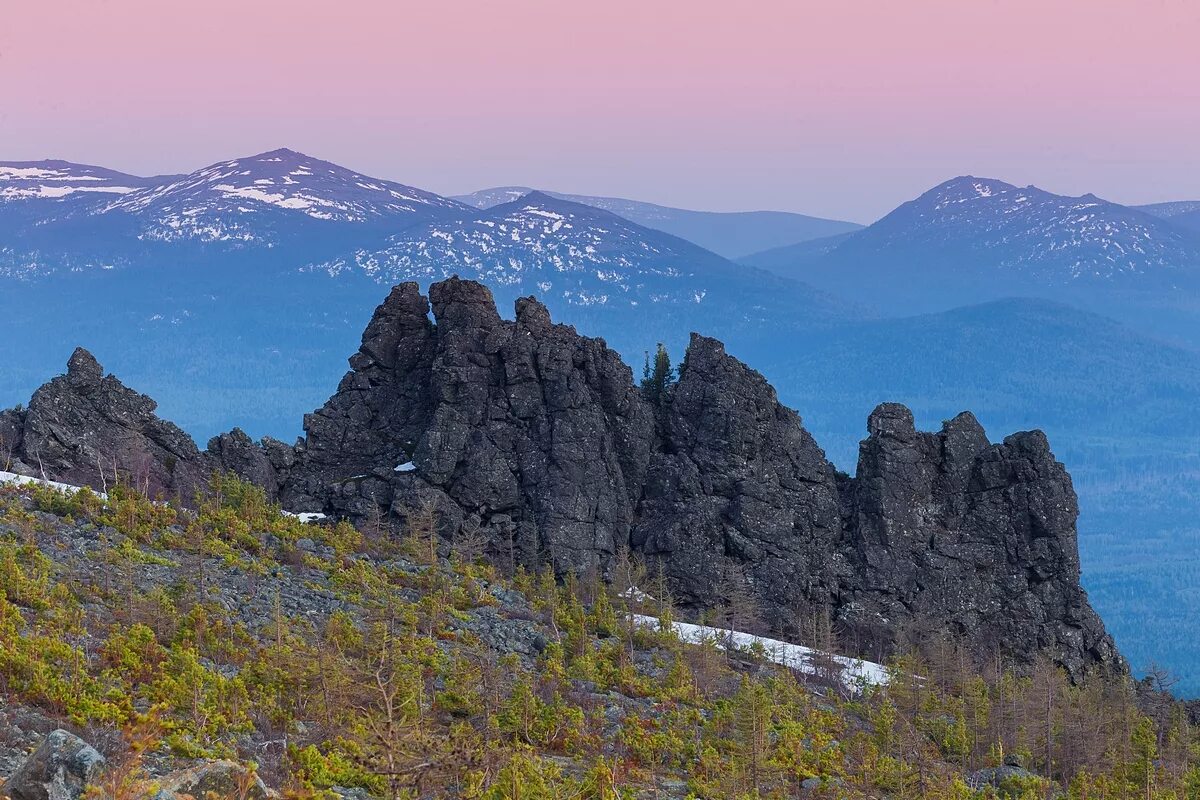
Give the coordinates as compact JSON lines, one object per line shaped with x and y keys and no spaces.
{"x":61,"y":768}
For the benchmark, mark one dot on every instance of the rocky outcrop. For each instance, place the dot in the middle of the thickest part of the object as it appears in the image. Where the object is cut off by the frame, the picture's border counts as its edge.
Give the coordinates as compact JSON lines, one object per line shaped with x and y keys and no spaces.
{"x":87,"y":428}
{"x":261,"y":463}
{"x":524,"y":428}
{"x":537,"y":438}
{"x":738,"y":490}
{"x":954,"y":535}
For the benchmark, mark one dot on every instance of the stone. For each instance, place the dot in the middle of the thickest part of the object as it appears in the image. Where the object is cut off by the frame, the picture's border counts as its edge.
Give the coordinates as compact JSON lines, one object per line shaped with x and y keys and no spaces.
{"x":61,"y":768}
{"x":12,"y":424}
{"x":235,"y":452}
{"x":213,"y":778}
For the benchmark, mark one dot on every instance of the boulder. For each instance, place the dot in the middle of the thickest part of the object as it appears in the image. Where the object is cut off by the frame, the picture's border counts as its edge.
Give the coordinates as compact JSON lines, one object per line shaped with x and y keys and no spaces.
{"x":223,"y":779}
{"x":61,"y":768}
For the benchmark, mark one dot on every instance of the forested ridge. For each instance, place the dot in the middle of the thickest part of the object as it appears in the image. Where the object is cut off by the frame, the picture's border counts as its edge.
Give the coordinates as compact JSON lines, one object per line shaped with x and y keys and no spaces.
{"x":394,"y":664}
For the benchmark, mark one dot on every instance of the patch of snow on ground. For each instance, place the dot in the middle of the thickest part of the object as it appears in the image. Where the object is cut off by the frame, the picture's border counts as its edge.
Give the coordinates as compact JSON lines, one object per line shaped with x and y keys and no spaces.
{"x":855,"y":672}
{"x":306,"y":516}
{"x":407,"y":466}
{"x":13,"y":479}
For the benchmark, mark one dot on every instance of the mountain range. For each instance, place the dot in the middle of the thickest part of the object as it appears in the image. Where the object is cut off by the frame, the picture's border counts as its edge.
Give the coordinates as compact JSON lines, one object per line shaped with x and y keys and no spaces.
{"x":231,"y":294}
{"x":729,"y":234}
{"x":972,"y":239}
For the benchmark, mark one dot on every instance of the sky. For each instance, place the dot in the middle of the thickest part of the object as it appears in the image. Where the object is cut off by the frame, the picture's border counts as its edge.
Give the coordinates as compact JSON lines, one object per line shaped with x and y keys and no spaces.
{"x":841,"y":109}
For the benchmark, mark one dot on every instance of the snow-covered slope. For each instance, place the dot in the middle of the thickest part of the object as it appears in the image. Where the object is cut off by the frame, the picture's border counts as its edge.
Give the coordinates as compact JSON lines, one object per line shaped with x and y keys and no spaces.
{"x":994,"y":234}
{"x":1183,"y":213}
{"x":729,"y":234}
{"x":54,"y":180}
{"x":577,"y":255}
{"x":1171,"y":209}
{"x":228,"y":200}
{"x":1052,"y":237}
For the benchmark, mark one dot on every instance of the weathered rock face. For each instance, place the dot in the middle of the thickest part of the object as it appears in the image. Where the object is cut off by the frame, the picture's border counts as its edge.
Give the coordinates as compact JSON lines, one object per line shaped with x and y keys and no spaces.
{"x":955,"y":535}
{"x":88,"y":428}
{"x":260,"y":463}
{"x":536,"y":437}
{"x":738,"y":485}
{"x":12,"y":425}
{"x":523,"y":428}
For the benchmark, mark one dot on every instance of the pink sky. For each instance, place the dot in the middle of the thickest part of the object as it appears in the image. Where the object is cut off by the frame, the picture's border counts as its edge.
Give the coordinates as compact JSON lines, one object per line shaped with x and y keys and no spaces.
{"x":840,"y":109}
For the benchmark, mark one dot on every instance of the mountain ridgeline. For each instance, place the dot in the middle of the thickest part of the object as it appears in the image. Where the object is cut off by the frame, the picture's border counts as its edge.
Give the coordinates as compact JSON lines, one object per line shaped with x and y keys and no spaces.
{"x":538,"y":439}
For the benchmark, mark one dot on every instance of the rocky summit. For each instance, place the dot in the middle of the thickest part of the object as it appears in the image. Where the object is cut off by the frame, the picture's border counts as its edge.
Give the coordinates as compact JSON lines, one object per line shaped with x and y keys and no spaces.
{"x":539,"y":439}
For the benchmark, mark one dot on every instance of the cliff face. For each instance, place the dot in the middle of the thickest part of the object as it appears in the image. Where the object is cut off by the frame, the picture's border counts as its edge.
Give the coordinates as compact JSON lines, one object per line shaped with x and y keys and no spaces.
{"x":525,"y":429}
{"x":538,"y":437}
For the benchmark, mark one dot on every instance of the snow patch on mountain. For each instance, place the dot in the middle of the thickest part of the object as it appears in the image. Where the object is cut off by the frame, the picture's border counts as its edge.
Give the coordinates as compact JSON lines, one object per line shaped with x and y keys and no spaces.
{"x":55,"y":180}
{"x":539,"y":243}
{"x":854,"y":674}
{"x":220,"y":202}
{"x":1028,"y":229}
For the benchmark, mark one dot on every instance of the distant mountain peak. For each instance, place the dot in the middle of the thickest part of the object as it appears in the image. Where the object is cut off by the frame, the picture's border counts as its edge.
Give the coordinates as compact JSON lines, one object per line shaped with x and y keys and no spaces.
{"x":282,"y":153}
{"x":215,"y":203}
{"x":965,"y":188}
{"x":994,"y":231}
{"x":538,"y":196}
{"x":729,"y":234}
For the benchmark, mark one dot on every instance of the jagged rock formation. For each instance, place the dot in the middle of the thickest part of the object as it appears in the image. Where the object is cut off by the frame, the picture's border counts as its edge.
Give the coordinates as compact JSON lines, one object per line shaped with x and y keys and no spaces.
{"x":261,"y":463}
{"x":87,"y":428}
{"x":537,"y":437}
{"x":524,"y":428}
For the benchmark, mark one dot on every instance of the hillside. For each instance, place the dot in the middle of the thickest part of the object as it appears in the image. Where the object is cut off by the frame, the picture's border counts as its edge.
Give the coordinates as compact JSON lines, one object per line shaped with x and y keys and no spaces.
{"x":330,"y":662}
{"x":1185,"y":213}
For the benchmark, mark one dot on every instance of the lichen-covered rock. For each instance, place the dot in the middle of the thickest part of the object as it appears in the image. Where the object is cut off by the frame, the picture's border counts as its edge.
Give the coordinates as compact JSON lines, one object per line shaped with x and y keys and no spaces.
{"x":61,"y":768}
